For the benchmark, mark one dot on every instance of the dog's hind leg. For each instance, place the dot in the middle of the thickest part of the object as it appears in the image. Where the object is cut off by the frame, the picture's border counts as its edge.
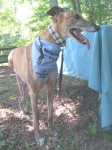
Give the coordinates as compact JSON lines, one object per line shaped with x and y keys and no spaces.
{"x":23,"y":88}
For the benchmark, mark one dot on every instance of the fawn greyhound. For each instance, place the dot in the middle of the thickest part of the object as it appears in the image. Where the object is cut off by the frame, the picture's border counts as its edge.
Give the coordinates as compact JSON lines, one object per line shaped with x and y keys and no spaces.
{"x":64,"y":25}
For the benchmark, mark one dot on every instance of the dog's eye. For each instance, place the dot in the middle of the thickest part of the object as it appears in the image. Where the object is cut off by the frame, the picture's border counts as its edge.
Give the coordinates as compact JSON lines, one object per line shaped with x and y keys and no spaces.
{"x":76,"y":16}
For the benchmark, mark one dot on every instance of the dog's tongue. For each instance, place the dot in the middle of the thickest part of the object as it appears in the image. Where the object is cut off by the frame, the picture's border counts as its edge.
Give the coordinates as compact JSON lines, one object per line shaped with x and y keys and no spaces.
{"x":81,"y":39}
{"x":87,"y":43}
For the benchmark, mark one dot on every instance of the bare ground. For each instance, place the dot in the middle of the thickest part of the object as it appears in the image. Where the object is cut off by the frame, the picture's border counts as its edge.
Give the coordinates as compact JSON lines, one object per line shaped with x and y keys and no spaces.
{"x":76,"y":118}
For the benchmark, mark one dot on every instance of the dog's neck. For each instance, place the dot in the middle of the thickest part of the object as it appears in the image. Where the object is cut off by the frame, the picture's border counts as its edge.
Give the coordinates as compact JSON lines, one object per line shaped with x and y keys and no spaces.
{"x":51,"y":35}
{"x":55,"y":35}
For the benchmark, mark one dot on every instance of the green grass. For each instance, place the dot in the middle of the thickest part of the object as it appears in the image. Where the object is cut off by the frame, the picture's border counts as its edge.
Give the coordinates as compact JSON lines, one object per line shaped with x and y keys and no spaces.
{"x":8,"y":87}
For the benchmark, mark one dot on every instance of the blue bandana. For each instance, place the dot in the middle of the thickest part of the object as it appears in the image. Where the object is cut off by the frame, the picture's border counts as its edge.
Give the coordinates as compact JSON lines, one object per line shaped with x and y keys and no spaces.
{"x":44,"y":57}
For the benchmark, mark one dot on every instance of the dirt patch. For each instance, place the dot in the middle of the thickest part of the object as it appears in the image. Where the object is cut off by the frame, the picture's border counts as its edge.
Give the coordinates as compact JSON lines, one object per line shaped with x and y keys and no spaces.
{"x":76,"y":118}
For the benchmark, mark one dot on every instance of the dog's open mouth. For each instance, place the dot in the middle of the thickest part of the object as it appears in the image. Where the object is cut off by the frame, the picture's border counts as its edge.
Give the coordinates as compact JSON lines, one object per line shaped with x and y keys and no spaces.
{"x":79,"y":37}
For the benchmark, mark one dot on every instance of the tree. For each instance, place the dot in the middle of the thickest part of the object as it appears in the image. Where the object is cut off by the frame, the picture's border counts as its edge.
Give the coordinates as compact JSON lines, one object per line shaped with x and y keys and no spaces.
{"x":53,"y":3}
{"x":97,"y":11}
{"x":74,"y":4}
{"x":78,"y":2}
{"x":18,"y":32}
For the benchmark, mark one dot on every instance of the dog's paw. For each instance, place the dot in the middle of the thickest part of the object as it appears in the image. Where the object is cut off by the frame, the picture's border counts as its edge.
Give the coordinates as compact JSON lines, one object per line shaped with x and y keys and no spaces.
{"x":41,"y":142}
{"x":26,"y":117}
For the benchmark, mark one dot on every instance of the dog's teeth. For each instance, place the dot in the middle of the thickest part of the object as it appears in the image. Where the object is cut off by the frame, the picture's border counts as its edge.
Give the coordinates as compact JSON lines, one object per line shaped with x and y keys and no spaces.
{"x":74,"y":32}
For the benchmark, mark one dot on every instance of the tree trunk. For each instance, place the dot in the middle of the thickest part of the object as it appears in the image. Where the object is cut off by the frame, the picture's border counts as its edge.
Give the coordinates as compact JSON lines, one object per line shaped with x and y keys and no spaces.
{"x":74,"y":4}
{"x":53,"y":3}
{"x":78,"y":6}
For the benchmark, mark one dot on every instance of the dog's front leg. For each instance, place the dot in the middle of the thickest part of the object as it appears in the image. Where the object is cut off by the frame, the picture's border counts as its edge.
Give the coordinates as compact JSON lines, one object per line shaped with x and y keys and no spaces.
{"x":33,"y":97}
{"x":50,"y":96}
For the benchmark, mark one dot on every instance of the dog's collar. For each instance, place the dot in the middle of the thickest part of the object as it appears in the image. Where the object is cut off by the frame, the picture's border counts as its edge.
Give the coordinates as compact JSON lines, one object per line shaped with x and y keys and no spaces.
{"x":56,"y":36}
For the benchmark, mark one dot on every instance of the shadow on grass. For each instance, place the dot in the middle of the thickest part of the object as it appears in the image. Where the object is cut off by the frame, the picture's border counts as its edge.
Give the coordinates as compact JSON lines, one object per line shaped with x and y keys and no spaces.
{"x":75,"y":118}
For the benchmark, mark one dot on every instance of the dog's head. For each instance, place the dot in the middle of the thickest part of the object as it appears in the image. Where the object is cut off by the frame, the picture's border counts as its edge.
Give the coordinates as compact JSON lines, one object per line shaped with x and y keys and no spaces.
{"x":69,"y":22}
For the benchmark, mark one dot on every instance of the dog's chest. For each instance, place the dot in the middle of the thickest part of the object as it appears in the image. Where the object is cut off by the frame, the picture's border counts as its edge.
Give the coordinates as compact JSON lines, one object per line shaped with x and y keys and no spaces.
{"x":44,"y":58}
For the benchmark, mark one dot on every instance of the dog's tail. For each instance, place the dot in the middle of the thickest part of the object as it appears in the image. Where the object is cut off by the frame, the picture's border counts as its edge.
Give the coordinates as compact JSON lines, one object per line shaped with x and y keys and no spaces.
{"x":10,"y":60}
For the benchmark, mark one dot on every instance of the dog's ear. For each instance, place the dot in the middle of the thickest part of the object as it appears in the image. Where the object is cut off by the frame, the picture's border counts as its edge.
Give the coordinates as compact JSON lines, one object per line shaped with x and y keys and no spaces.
{"x":55,"y":11}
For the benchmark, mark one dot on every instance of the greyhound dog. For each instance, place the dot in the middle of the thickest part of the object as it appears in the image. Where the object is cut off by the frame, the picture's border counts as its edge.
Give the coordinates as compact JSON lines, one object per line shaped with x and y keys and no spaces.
{"x":65,"y":23}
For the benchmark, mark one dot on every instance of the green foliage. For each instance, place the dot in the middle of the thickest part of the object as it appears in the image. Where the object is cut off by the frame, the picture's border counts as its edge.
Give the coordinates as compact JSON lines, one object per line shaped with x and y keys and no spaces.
{"x":61,"y":145}
{"x":21,"y":31}
{"x":97,"y":11}
{"x":27,"y":147}
{"x":70,"y":144}
{"x":7,"y":142}
{"x":7,"y":40}
{"x":75,"y":142}
{"x":77,"y":106}
{"x":10,"y":27}
{"x":92,"y":128}
{"x":39,"y":20}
